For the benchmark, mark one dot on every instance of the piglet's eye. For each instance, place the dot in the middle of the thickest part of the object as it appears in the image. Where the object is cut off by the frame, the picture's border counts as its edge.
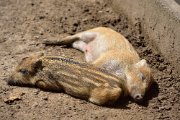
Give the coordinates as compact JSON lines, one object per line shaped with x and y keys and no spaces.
{"x":24,"y":71}
{"x":142,"y":76}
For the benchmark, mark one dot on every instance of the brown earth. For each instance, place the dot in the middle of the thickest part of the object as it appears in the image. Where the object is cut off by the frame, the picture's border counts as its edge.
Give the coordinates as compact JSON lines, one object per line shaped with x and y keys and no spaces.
{"x":24,"y":24}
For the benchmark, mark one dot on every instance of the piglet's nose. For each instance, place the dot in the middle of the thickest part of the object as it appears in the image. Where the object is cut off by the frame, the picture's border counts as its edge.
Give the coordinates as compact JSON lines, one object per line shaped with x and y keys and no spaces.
{"x":138,"y":97}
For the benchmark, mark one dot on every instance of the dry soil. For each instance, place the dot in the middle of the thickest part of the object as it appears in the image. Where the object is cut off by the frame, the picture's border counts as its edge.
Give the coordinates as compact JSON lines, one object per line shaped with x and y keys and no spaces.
{"x":24,"y":24}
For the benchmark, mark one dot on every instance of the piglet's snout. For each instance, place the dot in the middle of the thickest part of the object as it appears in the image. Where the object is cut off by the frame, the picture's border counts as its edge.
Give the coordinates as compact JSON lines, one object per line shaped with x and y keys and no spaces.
{"x":137,"y":94}
{"x":138,"y":97}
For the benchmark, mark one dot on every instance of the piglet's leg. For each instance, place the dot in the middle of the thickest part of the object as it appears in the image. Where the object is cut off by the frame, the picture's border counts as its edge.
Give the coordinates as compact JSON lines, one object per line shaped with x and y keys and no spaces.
{"x":69,"y":40}
{"x":105,"y":95}
{"x":87,"y":36}
{"x":82,"y":43}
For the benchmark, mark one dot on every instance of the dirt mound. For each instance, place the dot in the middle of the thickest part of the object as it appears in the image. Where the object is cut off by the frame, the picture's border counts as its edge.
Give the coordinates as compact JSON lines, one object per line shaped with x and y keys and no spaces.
{"x":25,"y":24}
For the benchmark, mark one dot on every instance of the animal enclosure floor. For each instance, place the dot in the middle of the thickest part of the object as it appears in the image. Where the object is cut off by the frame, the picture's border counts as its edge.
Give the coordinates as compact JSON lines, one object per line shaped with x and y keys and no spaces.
{"x":24,"y":24}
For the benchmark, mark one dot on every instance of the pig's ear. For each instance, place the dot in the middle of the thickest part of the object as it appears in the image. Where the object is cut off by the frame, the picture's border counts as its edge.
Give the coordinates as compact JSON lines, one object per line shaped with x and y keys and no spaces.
{"x":141,"y":63}
{"x":37,"y":64}
{"x":37,"y":60}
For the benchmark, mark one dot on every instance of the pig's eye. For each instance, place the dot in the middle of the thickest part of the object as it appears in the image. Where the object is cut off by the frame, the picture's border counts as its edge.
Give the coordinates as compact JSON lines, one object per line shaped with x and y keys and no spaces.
{"x":24,"y":71}
{"x":142,"y":76}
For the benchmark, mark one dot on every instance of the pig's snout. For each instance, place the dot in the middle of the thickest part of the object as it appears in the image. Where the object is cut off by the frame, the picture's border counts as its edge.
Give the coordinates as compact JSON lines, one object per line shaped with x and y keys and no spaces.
{"x":138,"y":97}
{"x":137,"y":94}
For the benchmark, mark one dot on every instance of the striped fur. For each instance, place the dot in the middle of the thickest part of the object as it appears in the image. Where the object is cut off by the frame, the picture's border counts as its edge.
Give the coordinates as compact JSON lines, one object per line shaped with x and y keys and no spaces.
{"x":74,"y":78}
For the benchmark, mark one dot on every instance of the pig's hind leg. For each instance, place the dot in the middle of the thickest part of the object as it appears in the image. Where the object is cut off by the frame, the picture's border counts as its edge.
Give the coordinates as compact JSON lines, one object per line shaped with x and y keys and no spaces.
{"x":84,"y":39}
{"x":78,"y":41}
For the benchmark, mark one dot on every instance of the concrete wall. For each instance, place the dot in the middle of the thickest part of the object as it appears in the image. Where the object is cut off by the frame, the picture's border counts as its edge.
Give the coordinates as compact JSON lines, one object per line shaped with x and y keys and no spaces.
{"x":160,"y":20}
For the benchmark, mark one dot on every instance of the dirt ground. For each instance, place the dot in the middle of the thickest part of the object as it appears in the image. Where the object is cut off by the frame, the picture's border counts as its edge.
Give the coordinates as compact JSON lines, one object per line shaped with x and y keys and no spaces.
{"x":24,"y":24}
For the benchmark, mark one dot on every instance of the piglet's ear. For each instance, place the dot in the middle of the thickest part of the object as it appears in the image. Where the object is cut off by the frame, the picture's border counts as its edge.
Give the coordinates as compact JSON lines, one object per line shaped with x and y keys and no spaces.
{"x":37,"y":63}
{"x":141,"y":63}
{"x":37,"y":59}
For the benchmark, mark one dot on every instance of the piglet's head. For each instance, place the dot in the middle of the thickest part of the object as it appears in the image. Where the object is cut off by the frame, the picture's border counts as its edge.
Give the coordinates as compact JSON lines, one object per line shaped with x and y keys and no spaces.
{"x":25,"y":71}
{"x":139,"y":80}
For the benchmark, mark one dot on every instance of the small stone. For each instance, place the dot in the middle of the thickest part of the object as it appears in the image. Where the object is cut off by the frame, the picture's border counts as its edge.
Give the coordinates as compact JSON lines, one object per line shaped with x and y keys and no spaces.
{"x":35,"y":105}
{"x":161,"y":98}
{"x":167,"y":108}
{"x":45,"y":98}
{"x":18,"y":107}
{"x":161,"y":108}
{"x":41,"y":17}
{"x":11,"y":99}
